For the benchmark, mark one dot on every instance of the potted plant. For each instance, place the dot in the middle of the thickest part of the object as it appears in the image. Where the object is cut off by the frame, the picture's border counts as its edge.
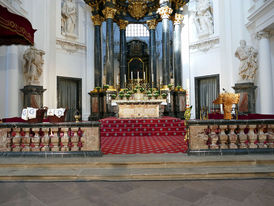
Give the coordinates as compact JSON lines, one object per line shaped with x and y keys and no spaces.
{"x":178,"y":88}
{"x":142,"y":89}
{"x":164,"y":95}
{"x":149,"y":95}
{"x":98,"y":89}
{"x":121,"y":96}
{"x":128,"y":96}
{"x":106,"y":86}
{"x":170,"y":86}
{"x":126,"y":90}
{"x":156,"y":95}
{"x":113,"y":96}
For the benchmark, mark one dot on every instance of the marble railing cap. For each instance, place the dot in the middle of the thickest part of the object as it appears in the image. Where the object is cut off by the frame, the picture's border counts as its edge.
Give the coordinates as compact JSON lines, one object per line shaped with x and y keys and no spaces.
{"x":47,"y":124}
{"x":229,"y":122}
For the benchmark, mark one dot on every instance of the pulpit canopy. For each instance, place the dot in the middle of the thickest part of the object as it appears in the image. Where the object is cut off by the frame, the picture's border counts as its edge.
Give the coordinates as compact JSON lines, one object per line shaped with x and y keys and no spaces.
{"x":15,"y":29}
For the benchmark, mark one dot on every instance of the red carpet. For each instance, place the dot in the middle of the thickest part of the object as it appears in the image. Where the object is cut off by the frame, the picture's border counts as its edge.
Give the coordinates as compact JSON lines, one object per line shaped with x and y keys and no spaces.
{"x":142,"y":136}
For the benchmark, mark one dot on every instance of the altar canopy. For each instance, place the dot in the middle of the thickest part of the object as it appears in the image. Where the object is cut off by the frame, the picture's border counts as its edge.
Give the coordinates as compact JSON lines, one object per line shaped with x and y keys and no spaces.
{"x":15,"y":29}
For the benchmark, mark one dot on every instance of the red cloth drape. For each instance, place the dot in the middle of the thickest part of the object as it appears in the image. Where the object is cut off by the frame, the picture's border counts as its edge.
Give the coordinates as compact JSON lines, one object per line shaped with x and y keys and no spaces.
{"x":15,"y":29}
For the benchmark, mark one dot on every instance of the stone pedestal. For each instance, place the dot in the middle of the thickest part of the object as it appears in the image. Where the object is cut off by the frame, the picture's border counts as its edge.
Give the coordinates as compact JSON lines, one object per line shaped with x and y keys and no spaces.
{"x":33,"y":96}
{"x":247,"y":97}
{"x":97,"y":106}
{"x":179,"y":101}
{"x":110,"y":111}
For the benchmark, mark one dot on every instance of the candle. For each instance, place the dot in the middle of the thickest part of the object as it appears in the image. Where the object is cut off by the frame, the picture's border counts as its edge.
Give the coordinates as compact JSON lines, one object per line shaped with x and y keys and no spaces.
{"x":117,"y":81}
{"x":125,"y":78}
{"x":152,"y":77}
{"x":160,"y":80}
{"x":144,"y":75}
{"x":137,"y":75}
{"x":131,"y":75}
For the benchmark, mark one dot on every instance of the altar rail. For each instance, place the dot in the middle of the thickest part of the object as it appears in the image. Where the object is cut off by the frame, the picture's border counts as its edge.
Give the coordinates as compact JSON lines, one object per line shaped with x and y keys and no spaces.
{"x":42,"y":139}
{"x":230,"y":136}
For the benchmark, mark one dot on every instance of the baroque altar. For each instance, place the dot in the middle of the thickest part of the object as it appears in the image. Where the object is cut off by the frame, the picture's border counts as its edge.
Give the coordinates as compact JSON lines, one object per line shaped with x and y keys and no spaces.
{"x":139,"y":108}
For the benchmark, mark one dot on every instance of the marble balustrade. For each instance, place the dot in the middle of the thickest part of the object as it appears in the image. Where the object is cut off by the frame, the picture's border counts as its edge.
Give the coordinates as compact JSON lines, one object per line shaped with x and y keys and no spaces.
{"x":48,"y":137}
{"x":230,"y":134}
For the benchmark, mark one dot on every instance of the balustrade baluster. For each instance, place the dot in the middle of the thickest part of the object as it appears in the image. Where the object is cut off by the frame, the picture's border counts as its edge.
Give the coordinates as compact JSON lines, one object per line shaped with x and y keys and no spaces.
{"x":252,"y":137}
{"x":223,"y":137}
{"x":214,"y":137}
{"x":262,"y":137}
{"x":271,"y":135}
{"x":232,"y":137}
{"x":16,"y":139}
{"x":242,"y":137}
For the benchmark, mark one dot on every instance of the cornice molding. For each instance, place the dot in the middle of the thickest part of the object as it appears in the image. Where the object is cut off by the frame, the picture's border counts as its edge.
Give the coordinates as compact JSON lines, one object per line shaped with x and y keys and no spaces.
{"x":259,"y":13}
{"x":69,"y":46}
{"x":204,"y":45}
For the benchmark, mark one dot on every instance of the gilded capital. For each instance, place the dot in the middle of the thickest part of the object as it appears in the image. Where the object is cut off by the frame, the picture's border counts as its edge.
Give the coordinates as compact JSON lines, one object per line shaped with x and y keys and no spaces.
{"x":122,"y":24}
{"x":152,"y":24}
{"x":178,"y":18}
{"x":164,"y":12}
{"x":97,"y":20}
{"x":109,"y":13}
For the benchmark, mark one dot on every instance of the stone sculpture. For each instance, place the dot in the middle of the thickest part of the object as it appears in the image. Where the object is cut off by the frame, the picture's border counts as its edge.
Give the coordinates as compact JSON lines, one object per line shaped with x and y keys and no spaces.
{"x":69,"y":16}
{"x":203,"y":18}
{"x":248,"y":62}
{"x":33,"y":65}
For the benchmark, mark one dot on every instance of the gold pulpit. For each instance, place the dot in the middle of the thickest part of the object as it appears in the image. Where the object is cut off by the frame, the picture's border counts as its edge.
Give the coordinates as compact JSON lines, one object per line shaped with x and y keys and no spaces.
{"x":227,"y":100}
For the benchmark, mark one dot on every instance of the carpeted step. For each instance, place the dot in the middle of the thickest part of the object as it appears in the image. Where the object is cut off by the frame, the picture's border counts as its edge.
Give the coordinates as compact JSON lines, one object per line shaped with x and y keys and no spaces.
{"x":143,"y":129}
{"x":139,"y":133}
{"x":143,"y":136}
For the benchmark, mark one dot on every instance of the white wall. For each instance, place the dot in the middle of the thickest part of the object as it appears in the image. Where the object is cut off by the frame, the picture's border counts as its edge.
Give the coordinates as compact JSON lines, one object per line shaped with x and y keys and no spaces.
{"x":57,"y":60}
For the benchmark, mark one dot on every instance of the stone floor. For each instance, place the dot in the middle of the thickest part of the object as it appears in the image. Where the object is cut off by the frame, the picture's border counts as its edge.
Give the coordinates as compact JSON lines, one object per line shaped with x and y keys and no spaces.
{"x":257,"y":192}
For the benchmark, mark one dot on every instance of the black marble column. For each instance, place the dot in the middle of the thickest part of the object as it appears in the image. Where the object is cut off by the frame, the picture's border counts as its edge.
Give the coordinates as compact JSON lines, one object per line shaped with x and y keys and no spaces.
{"x":97,"y":56}
{"x":109,"y":15}
{"x":152,"y":52}
{"x":123,"y":52}
{"x":165,"y":14}
{"x":97,"y":21}
{"x":177,"y":50}
{"x":165,"y":54}
{"x":109,"y":53}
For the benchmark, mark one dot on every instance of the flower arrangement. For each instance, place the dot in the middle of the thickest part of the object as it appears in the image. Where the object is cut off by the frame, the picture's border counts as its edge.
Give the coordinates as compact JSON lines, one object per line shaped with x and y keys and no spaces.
{"x":98,"y":89}
{"x":149,"y":95}
{"x":170,"y":86}
{"x":142,"y":89}
{"x":178,"y":87}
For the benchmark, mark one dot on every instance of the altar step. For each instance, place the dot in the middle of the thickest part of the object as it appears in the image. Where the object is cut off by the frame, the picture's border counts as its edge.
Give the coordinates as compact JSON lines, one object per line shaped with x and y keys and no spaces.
{"x":142,"y":136}
{"x":137,"y":167}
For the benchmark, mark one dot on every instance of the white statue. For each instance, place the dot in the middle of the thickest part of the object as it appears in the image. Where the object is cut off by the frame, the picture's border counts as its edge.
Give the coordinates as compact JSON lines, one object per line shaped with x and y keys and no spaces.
{"x":248,"y":62}
{"x":33,"y":65}
{"x":69,"y":17}
{"x":203,"y":18}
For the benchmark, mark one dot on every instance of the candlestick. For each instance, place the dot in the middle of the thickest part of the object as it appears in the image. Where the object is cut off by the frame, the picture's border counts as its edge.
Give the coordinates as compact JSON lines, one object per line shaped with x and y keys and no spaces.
{"x":152,"y":77}
{"x":144,"y":75}
{"x":131,"y":75}
{"x":125,"y":78}
{"x":117,"y":81}
{"x":137,"y":75}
